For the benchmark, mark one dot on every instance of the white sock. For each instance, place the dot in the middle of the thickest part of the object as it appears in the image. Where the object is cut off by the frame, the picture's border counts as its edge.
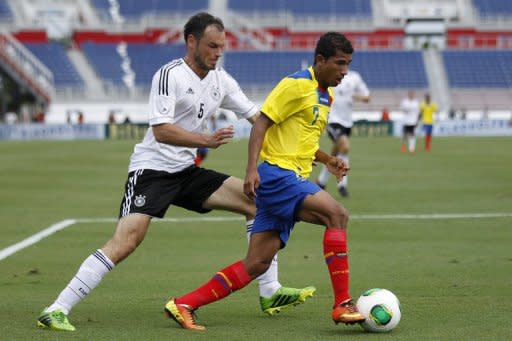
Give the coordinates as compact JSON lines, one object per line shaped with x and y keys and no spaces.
{"x":323,"y":177}
{"x":344,"y":181}
{"x":267,"y":282}
{"x":412,"y":143}
{"x":87,"y":278}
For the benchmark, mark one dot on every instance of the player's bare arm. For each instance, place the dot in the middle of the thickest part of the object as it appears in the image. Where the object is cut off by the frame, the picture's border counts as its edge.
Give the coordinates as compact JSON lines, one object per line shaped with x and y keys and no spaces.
{"x":171,"y":134}
{"x":335,"y":166}
{"x":252,"y":119}
{"x":360,"y":98}
{"x":252,"y":178}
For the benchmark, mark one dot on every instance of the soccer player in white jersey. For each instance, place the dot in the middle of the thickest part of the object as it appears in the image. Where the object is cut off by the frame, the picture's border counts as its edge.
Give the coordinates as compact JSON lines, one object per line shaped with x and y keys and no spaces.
{"x":410,"y":108}
{"x":353,"y":88}
{"x":184,"y":93}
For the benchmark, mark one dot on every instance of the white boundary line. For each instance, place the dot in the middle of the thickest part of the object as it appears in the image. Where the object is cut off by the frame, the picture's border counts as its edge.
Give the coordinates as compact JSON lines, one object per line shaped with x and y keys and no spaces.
{"x":10,"y":250}
{"x":36,"y":237}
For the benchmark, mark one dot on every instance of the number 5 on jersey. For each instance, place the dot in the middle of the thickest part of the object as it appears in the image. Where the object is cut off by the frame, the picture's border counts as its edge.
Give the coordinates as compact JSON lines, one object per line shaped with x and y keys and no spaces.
{"x":201,"y":111}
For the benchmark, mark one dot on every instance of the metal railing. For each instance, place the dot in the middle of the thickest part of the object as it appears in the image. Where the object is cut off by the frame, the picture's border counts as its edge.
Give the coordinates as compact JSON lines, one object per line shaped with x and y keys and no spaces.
{"x":25,"y":66}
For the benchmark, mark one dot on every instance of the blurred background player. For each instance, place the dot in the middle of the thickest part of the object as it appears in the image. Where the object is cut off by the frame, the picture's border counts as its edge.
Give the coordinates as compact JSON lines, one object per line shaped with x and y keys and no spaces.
{"x":202,"y":152}
{"x":201,"y":155}
{"x":427,"y":110}
{"x":410,"y":108}
{"x":352,"y":88}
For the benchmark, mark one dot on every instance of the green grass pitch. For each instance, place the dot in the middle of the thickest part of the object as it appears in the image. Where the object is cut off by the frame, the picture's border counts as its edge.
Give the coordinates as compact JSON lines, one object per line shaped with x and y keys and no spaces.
{"x":452,"y":276}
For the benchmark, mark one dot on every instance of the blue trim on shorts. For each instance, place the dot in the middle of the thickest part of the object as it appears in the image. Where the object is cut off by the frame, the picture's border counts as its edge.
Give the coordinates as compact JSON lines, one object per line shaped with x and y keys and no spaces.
{"x":278,"y":200}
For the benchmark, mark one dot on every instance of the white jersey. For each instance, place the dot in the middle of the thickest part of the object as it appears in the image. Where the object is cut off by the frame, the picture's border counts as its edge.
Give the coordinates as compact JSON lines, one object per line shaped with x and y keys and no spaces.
{"x":178,"y":96}
{"x":341,"y":108}
{"x":411,"y":110}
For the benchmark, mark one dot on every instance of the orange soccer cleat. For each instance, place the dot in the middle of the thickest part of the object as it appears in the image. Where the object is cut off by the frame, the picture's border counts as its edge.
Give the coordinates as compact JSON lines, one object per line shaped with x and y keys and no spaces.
{"x":347,"y":313}
{"x":183,"y":315}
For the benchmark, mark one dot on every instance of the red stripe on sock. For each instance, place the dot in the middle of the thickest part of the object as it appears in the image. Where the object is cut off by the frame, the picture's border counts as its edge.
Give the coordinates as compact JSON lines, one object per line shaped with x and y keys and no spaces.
{"x":226,"y":281}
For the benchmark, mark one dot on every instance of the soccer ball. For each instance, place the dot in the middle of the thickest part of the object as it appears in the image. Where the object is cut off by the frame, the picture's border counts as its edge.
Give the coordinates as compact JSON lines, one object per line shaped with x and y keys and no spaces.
{"x":381,"y":310}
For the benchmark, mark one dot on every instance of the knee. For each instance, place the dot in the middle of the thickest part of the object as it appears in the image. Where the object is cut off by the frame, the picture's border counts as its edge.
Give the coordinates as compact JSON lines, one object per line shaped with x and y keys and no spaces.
{"x":256,"y":268}
{"x":338,"y":217}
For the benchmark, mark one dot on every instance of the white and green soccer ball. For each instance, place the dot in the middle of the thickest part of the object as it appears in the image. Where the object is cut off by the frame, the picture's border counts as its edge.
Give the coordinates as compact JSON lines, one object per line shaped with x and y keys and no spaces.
{"x":381,"y":310}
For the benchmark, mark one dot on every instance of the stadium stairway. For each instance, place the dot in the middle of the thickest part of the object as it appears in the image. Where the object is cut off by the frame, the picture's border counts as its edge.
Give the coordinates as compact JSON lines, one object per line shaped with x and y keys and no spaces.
{"x":93,"y":84}
{"x":437,"y":79}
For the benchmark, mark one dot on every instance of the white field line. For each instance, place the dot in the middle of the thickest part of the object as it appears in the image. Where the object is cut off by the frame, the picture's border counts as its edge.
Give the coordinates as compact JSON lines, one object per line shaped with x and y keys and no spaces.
{"x":8,"y":251}
{"x":36,"y":237}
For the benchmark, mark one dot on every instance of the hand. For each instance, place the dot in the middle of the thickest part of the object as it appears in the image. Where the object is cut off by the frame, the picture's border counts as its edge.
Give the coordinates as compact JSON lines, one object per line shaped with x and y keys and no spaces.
{"x":220,"y":137}
{"x":251,"y":182}
{"x":337,"y":167}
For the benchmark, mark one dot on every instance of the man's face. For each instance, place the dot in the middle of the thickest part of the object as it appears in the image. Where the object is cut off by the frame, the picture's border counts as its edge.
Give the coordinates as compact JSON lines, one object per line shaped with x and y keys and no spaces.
{"x":332,"y":70}
{"x":209,"y":48}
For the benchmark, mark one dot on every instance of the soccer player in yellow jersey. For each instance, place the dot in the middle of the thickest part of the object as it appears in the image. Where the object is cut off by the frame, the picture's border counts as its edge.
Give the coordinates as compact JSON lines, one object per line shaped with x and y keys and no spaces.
{"x":286,"y":138}
{"x":427,"y":110}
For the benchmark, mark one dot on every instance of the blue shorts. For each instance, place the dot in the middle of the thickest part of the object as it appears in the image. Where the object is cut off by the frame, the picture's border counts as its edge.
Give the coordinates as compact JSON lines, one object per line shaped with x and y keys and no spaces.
{"x":279,"y":197}
{"x":427,"y":128}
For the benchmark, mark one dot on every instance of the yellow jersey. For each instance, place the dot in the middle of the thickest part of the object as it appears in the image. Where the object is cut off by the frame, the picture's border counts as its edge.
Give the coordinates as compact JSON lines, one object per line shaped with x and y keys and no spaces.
{"x":299,"y":108}
{"x":427,"y":112}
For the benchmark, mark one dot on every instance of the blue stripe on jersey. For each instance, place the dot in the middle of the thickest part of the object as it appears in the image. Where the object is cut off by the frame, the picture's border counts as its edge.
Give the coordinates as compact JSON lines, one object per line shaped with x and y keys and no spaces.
{"x":323,"y":97}
{"x":301,"y":74}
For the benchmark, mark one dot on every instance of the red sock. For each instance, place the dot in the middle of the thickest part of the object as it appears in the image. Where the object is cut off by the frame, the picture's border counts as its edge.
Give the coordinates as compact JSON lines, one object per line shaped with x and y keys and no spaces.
{"x":336,"y":257}
{"x":224,"y":282}
{"x":428,"y":138}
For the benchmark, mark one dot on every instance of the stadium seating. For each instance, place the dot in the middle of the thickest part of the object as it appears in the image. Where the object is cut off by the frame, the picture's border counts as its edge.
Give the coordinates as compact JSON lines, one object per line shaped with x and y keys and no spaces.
{"x":493,"y":8}
{"x":137,"y":8}
{"x":479,"y":69}
{"x":54,"y":56}
{"x":5,"y":10}
{"x":391,"y":69}
{"x":381,"y":69}
{"x":145,"y":59}
{"x":105,"y":60}
{"x":304,"y":7}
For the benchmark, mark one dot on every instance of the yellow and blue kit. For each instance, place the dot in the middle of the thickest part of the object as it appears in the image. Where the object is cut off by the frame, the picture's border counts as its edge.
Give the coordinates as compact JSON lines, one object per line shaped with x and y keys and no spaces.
{"x":299,"y":108}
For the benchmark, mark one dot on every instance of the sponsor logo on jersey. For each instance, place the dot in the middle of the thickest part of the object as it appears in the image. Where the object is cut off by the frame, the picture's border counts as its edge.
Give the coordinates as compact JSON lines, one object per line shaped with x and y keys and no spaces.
{"x":190,"y":91}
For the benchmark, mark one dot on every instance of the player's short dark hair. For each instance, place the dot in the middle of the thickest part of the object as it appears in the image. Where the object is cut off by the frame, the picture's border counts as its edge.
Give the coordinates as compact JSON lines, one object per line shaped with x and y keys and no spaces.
{"x":199,"y":22}
{"x":331,"y":42}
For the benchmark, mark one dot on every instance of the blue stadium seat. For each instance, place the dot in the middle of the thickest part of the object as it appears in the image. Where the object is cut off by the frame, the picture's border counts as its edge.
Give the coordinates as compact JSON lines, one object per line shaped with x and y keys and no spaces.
{"x":479,"y":69}
{"x":490,"y":8}
{"x":305,"y":7}
{"x":264,"y":68}
{"x":380,"y":69}
{"x":102,"y":7}
{"x":105,"y":60}
{"x":391,"y":69}
{"x":145,"y":59}
{"x":5,"y":10}
{"x":138,"y":8}
{"x":54,"y":56}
